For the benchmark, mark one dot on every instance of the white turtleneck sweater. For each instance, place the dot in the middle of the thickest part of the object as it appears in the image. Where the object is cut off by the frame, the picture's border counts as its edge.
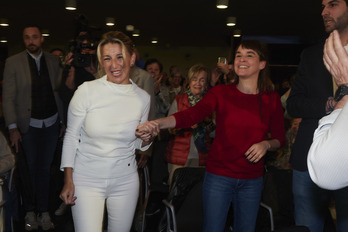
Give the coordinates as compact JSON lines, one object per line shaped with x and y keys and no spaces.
{"x":100,"y":138}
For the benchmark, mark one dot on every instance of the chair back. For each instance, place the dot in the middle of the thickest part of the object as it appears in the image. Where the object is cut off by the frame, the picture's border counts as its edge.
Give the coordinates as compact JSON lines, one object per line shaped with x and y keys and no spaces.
{"x":185,"y":197}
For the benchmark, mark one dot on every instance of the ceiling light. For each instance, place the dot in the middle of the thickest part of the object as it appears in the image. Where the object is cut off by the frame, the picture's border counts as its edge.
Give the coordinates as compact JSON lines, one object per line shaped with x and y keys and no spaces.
{"x":45,"y":32}
{"x":110,"y":21}
{"x":4,"y":22}
{"x":129,"y":28}
{"x":136,"y":33}
{"x":231,"y":21}
{"x":154,"y":40}
{"x":221,"y":4}
{"x":3,"y":40}
{"x":237,"y":33}
{"x":70,"y":4}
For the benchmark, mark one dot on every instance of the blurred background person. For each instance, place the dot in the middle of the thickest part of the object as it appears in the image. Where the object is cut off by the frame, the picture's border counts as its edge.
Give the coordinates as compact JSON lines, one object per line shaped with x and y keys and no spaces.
{"x":189,"y":147}
{"x":222,"y":74}
{"x":155,"y":68}
{"x":80,"y":65}
{"x":32,"y":112}
{"x":7,"y":162}
{"x":176,"y":80}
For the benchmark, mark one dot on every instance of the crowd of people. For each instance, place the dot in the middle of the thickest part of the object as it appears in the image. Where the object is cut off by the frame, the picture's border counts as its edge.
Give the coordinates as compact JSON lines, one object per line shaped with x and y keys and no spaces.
{"x":115,"y":117}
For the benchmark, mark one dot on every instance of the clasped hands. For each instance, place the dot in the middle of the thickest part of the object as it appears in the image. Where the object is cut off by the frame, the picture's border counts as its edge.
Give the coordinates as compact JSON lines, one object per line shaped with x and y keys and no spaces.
{"x":147,"y":131}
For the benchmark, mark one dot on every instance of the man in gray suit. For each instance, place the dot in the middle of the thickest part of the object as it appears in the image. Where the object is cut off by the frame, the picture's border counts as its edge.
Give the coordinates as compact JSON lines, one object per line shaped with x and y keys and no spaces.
{"x":31,"y":105}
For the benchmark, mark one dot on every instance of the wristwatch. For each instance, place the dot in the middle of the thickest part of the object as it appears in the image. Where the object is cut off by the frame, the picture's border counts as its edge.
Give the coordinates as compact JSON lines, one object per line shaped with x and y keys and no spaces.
{"x":341,"y":92}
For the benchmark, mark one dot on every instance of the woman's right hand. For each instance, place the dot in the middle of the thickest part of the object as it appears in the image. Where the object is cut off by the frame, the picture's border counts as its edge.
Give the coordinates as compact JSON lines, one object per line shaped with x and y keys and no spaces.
{"x":149,"y":127}
{"x":67,"y":194}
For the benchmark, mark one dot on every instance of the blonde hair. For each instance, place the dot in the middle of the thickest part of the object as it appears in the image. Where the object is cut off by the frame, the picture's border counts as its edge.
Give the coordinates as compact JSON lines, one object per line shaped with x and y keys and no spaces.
{"x":114,"y":37}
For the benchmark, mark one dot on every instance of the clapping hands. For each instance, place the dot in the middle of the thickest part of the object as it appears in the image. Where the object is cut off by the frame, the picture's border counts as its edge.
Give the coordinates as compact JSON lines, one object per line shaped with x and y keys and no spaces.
{"x":336,"y":58}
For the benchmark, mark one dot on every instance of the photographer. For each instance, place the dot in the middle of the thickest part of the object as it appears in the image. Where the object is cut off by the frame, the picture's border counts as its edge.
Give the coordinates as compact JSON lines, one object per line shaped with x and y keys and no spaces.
{"x":80,"y":66}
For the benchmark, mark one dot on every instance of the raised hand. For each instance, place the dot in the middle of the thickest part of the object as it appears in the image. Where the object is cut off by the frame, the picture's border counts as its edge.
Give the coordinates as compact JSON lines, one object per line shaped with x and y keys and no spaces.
{"x":336,"y":58}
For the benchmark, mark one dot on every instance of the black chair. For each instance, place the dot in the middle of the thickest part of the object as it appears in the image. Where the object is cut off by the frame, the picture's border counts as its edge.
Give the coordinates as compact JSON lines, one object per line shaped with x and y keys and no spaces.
{"x":148,"y":193}
{"x":184,"y":209}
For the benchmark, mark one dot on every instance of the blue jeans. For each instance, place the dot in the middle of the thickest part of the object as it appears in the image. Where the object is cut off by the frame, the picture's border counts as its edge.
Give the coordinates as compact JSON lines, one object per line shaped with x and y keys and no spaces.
{"x":218,"y":194}
{"x":311,"y":203}
{"x":39,"y":145}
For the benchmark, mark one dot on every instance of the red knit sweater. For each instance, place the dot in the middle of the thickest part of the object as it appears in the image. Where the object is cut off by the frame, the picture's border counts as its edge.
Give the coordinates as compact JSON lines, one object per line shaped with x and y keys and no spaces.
{"x":238,"y":126}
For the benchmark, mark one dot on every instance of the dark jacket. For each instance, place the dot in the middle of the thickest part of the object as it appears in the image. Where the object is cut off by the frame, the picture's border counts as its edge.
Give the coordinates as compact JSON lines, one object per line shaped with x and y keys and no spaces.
{"x":307,"y":100}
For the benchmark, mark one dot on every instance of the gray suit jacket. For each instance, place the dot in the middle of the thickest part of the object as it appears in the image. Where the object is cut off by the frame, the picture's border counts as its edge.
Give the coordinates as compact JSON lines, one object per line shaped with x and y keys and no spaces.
{"x":17,"y":89}
{"x":144,"y":81}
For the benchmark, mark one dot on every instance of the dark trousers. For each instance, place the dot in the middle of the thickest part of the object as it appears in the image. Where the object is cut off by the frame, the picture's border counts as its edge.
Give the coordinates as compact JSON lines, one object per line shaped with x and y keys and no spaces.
{"x":39,"y":145}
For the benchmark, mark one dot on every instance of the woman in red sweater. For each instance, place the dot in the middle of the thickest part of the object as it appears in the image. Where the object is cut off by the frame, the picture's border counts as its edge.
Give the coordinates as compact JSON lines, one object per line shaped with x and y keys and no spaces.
{"x":189,"y":147}
{"x":249,"y":122}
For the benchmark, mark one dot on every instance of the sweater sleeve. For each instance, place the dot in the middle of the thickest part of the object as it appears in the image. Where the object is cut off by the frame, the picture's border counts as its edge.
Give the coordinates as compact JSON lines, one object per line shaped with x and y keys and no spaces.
{"x":76,"y":115}
{"x":196,"y":113}
{"x":9,"y":92}
{"x":327,"y":158}
{"x":277,"y":128}
{"x":143,"y":119}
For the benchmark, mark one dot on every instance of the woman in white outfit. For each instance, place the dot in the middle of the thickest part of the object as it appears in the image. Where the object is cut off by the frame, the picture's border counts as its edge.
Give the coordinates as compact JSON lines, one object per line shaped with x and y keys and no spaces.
{"x":98,"y":152}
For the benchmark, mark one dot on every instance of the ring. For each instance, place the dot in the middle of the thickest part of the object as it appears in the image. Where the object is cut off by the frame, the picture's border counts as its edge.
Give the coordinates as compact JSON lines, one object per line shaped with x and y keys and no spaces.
{"x":150,"y":135}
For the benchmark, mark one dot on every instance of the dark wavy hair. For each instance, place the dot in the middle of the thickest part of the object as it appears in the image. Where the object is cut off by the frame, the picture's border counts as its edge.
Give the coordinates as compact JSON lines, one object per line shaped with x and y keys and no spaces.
{"x":264,"y":83}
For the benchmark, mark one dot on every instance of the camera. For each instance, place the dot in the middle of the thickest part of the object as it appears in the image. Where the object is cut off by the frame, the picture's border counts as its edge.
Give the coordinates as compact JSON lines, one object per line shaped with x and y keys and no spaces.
{"x":79,"y":59}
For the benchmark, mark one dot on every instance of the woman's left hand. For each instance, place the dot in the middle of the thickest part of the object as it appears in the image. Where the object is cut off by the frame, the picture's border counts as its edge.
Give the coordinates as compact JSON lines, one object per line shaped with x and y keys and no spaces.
{"x":145,"y":136}
{"x":257,"y":151}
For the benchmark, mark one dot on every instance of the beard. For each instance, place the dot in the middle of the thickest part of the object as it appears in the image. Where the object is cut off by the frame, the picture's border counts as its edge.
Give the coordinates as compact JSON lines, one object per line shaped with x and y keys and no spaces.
{"x":341,"y":23}
{"x":32,"y":48}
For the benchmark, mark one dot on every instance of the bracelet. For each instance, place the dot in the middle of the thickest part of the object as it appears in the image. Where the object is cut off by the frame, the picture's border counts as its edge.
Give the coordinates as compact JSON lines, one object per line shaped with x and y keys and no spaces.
{"x":330,"y":105}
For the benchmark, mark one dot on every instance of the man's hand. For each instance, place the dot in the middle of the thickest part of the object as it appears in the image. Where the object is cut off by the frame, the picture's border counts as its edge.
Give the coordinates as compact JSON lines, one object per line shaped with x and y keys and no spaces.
{"x":15,"y":137}
{"x":336,"y":58}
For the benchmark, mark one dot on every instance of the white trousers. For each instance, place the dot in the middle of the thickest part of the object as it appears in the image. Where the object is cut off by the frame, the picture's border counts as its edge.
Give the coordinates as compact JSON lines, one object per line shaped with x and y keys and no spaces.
{"x":119,"y":195}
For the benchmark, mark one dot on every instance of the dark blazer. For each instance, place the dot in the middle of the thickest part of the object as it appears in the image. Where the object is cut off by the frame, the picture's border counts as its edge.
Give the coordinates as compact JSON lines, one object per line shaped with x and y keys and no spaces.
{"x":17,"y":88}
{"x":307,"y":100}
